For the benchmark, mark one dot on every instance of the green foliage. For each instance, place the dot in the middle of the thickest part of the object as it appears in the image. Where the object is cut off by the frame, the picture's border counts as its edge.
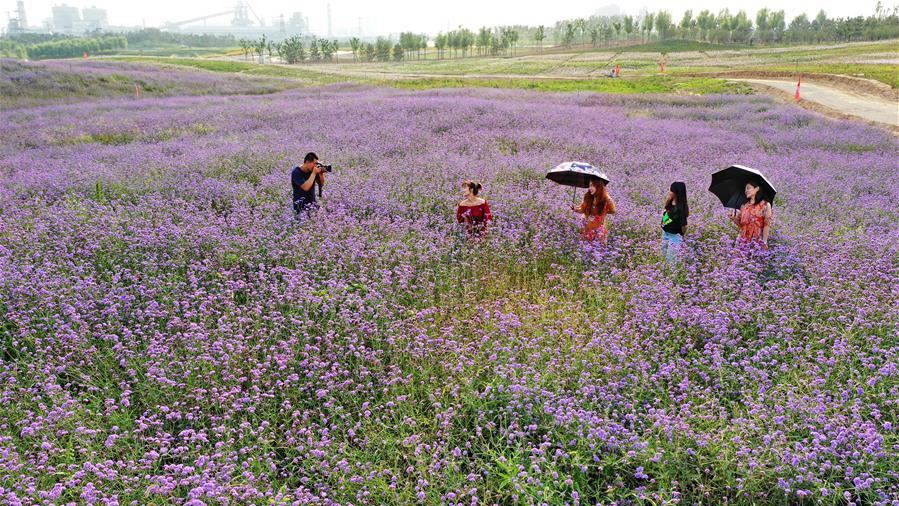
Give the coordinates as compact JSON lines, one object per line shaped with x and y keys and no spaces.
{"x":74,"y":47}
{"x":355,"y":45}
{"x":382,"y":49}
{"x":398,"y":52}
{"x":154,"y":37}
{"x":413,"y":43}
{"x":12,"y":49}
{"x":314,"y":51}
{"x":292,"y":50}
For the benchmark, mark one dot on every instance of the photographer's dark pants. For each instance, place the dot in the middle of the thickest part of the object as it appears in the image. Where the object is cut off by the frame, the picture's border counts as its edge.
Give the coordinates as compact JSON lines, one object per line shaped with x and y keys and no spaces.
{"x":302,"y":208}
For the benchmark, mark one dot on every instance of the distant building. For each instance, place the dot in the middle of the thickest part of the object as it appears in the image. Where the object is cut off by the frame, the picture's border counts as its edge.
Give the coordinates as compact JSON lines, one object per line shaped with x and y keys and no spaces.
{"x":13,"y":27}
{"x":94,"y":19}
{"x":20,"y":15}
{"x":611,"y":10}
{"x":297,"y":24}
{"x":66,"y":18}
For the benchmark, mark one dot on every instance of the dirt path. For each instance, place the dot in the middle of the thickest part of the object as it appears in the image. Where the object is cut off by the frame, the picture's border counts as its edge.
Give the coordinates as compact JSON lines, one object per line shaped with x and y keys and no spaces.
{"x":858,"y":104}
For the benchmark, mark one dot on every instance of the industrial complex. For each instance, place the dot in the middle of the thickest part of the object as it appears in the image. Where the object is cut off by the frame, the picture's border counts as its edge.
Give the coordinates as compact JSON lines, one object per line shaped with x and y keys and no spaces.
{"x":241,"y":21}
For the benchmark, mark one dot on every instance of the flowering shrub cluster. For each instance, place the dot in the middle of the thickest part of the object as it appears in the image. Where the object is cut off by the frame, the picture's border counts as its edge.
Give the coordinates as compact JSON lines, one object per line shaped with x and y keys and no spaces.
{"x":170,"y":334}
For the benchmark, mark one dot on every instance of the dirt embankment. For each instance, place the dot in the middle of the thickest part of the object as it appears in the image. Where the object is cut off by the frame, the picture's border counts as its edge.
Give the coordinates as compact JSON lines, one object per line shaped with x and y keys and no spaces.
{"x":847,"y":83}
{"x":787,"y":98}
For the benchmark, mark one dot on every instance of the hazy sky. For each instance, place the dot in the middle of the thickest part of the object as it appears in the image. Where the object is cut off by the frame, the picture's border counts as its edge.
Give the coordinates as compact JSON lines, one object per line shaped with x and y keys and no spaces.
{"x":387,"y":16}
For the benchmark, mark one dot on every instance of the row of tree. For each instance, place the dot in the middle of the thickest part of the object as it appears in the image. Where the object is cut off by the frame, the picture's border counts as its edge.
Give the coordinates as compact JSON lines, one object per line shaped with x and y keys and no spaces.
{"x":488,"y":41}
{"x":55,"y":45}
{"x":61,"y":47}
{"x":724,"y":27}
{"x":297,"y":49}
{"x":151,"y":36}
{"x":290,"y":50}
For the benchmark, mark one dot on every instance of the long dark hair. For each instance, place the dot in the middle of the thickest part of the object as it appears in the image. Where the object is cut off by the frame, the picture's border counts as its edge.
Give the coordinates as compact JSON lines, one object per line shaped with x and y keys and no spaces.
{"x":596,"y":204}
{"x":761,"y":194}
{"x":679,"y":189}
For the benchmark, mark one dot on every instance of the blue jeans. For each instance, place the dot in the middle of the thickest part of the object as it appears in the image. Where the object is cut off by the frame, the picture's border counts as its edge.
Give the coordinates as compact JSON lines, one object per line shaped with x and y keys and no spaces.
{"x":671,"y":243}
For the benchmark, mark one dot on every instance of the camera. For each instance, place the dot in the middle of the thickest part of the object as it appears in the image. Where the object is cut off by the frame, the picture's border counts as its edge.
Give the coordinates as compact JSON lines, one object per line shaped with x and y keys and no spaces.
{"x":327,"y":168}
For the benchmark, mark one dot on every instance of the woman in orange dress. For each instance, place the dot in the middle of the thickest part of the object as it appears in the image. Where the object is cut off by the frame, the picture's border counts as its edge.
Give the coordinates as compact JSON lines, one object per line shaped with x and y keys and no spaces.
{"x":754,"y":217}
{"x":595,"y":207}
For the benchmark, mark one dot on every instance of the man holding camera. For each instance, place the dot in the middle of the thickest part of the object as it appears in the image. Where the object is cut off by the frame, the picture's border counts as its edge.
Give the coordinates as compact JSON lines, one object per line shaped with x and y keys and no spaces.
{"x":303,"y":180}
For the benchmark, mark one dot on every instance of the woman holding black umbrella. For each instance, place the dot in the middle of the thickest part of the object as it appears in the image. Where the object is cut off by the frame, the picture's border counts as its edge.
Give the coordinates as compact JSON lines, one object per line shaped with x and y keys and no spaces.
{"x":754,"y":217}
{"x":595,"y":207}
{"x":750,"y":194}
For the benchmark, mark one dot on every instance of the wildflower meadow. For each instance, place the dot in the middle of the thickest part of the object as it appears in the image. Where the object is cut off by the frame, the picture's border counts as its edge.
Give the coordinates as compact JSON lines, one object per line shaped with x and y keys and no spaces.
{"x":171,"y":334}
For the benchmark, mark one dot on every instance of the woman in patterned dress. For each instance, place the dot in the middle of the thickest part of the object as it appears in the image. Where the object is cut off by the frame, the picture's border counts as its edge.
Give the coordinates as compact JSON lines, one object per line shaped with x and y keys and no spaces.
{"x":595,"y":207}
{"x":754,"y":217}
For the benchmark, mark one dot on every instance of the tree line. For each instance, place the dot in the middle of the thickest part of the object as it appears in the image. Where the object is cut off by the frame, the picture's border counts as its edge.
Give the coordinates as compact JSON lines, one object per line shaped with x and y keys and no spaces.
{"x":298,"y":49}
{"x":149,"y":36}
{"x":487,"y":42}
{"x":62,"y":47}
{"x":724,"y":27}
{"x":290,"y":50}
{"x":768,"y":26}
{"x":50,"y":45}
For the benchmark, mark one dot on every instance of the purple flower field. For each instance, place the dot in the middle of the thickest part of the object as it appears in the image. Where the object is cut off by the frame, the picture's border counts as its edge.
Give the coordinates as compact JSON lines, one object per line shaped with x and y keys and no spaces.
{"x":170,"y":335}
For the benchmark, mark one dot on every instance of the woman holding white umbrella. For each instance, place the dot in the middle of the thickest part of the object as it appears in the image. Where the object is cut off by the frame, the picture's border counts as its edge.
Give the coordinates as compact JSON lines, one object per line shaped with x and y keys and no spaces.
{"x":596,"y":204}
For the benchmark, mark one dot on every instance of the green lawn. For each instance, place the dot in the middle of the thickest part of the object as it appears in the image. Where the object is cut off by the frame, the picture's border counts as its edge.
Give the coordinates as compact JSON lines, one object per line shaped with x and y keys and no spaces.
{"x":806,"y":53}
{"x":888,"y":74}
{"x":647,"y":81}
{"x":646,"y":84}
{"x":186,"y":52}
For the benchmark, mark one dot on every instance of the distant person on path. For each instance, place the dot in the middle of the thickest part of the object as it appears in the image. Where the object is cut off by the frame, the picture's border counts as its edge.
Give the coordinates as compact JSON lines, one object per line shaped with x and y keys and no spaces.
{"x":595,"y":207}
{"x":754,"y":217}
{"x":473,"y":211}
{"x":303,"y":180}
{"x":674,"y":221}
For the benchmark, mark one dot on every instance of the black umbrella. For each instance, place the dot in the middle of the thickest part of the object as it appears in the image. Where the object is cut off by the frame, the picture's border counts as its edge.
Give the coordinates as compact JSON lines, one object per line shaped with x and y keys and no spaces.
{"x":729,"y":185}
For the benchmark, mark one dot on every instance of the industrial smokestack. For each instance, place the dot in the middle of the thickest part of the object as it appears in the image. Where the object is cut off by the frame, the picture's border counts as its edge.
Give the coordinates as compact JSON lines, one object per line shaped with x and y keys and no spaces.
{"x":20,"y":10}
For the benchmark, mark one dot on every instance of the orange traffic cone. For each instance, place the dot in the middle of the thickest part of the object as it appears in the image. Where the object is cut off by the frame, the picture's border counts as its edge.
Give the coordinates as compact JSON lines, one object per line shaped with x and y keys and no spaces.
{"x":798,"y":83}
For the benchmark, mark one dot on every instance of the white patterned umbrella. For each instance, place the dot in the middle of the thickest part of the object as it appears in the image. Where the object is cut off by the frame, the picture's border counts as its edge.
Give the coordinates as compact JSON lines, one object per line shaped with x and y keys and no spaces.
{"x":577,"y":174}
